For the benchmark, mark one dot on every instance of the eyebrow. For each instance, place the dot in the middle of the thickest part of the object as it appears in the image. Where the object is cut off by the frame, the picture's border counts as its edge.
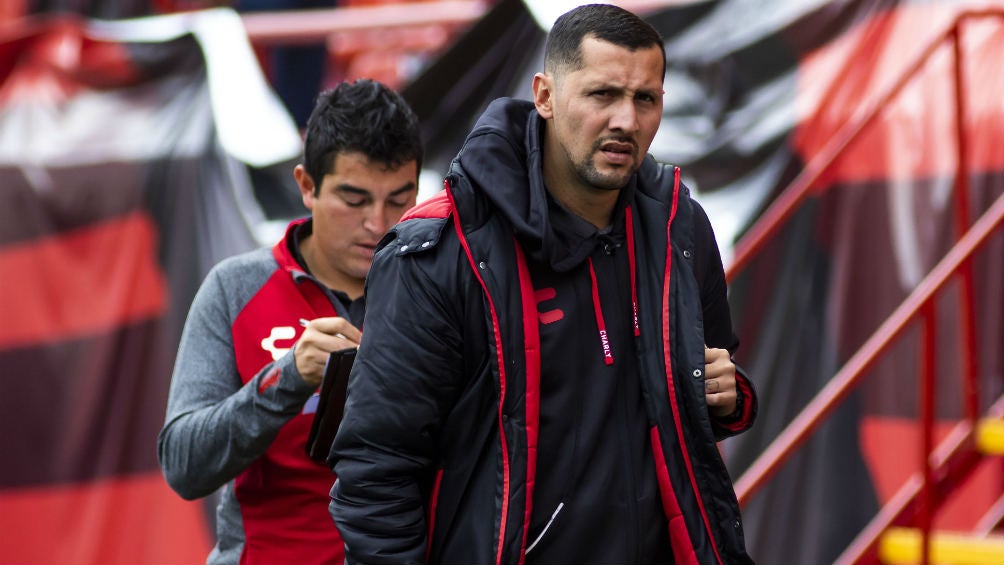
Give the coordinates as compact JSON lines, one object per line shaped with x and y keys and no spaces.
{"x":363,"y":192}
{"x":618,"y":88}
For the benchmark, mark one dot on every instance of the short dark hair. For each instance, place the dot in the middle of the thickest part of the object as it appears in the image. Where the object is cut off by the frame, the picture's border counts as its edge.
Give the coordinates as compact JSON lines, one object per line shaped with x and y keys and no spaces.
{"x":603,"y":21}
{"x":364,"y":116}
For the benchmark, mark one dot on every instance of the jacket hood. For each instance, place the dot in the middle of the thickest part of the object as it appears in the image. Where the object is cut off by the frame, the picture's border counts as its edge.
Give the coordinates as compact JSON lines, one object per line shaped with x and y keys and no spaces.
{"x":502,"y":159}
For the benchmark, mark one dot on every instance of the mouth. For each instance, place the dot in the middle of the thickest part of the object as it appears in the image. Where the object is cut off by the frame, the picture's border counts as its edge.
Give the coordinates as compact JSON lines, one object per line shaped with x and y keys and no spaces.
{"x":618,"y":152}
{"x":367,"y":249}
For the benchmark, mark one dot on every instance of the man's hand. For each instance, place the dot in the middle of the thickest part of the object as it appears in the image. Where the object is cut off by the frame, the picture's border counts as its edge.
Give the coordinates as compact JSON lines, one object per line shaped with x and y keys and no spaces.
{"x":719,"y":381}
{"x":320,"y":337}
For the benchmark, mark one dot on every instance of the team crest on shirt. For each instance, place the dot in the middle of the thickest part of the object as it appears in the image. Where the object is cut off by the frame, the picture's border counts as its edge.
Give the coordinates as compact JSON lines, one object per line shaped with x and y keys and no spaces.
{"x":278,"y":334}
{"x":547,"y":316}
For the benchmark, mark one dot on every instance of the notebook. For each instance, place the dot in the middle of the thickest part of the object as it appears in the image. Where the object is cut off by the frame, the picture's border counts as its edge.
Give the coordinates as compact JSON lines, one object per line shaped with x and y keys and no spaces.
{"x":330,"y":404}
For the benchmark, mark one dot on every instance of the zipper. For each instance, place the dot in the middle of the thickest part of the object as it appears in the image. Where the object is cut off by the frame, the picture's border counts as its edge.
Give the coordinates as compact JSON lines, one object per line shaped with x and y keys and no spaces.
{"x":500,"y":361}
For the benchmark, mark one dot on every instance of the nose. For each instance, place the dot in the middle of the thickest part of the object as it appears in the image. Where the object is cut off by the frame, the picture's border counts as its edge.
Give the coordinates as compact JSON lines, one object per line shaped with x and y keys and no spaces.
{"x":376,"y":221}
{"x":624,"y":116}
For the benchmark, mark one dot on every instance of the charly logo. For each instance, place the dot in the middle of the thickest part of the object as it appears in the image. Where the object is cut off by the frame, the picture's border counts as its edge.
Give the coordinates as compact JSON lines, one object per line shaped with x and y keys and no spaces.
{"x":278,"y":333}
{"x":605,"y":342}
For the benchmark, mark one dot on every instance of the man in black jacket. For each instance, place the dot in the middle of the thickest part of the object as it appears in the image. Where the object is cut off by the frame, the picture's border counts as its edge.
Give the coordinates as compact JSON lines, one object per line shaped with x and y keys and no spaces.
{"x":547,"y":366}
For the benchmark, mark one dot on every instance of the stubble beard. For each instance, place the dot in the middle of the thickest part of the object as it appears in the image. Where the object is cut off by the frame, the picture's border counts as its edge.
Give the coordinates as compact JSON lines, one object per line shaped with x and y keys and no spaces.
{"x":591,"y":176}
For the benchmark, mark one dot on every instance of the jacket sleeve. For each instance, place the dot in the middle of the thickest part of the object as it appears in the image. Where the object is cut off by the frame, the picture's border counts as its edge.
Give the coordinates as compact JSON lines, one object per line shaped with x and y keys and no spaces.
{"x":405,"y":378}
{"x":745,"y":413}
{"x":718,"y":331}
{"x":215,"y":425}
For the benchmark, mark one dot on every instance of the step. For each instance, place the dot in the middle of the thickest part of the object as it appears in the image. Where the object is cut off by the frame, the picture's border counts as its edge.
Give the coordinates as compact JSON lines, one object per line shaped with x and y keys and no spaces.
{"x":990,"y":436}
{"x":901,"y":546}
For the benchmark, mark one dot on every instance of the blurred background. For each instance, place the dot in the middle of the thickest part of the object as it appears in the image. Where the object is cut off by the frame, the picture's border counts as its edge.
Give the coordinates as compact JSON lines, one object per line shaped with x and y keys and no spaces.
{"x":850,"y":154}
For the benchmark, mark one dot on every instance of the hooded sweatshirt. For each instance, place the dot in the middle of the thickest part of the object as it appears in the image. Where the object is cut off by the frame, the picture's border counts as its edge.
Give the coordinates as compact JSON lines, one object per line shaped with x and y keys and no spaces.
{"x":596,"y":476}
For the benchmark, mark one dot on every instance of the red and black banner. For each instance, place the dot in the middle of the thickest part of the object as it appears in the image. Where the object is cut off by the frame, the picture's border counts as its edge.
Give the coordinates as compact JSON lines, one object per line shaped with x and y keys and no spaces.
{"x":119,"y":189}
{"x":116,"y":197}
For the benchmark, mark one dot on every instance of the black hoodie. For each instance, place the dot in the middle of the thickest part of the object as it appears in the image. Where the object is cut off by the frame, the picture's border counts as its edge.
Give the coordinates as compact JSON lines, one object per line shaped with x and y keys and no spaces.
{"x":594,"y":458}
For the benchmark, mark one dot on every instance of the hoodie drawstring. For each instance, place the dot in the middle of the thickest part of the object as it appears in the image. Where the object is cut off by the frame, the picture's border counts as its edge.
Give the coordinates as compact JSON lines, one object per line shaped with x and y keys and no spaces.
{"x":608,"y":355}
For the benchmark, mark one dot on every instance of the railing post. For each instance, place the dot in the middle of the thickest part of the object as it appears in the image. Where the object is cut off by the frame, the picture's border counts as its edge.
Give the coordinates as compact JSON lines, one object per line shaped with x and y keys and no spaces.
{"x":967,"y":322}
{"x":928,"y":354}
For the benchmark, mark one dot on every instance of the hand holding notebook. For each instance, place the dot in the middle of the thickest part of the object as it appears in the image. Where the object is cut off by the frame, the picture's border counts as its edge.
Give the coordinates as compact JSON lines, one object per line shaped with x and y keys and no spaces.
{"x":331,"y":404}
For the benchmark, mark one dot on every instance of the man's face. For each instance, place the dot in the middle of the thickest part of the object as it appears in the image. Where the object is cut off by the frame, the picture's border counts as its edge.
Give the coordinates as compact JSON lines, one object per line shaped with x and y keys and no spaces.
{"x":602,"y":116}
{"x":357,"y":203}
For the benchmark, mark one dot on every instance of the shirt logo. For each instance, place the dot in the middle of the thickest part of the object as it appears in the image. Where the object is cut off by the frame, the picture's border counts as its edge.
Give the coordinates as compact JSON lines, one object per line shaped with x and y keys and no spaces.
{"x":278,"y":333}
{"x":605,"y":343}
{"x":548,"y":316}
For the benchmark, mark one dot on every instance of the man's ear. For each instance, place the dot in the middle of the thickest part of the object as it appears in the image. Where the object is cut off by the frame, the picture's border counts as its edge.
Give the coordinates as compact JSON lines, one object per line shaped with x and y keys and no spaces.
{"x":306,"y":185}
{"x":543,"y":90}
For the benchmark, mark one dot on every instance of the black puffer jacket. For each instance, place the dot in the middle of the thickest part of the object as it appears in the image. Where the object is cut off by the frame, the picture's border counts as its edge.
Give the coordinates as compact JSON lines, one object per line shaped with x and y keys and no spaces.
{"x":436,"y":455}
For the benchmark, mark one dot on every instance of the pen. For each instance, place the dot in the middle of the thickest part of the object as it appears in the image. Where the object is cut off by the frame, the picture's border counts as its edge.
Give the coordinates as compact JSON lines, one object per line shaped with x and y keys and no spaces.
{"x":304,"y":322}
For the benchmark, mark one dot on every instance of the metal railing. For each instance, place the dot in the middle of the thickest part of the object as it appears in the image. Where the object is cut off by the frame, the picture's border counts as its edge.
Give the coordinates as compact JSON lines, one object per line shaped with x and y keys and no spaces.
{"x":316,"y":26}
{"x":313,"y":26}
{"x":956,"y":455}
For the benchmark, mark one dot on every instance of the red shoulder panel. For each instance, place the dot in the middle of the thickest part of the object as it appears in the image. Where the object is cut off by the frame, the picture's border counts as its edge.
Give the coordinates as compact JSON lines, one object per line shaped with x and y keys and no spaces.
{"x":438,"y":206}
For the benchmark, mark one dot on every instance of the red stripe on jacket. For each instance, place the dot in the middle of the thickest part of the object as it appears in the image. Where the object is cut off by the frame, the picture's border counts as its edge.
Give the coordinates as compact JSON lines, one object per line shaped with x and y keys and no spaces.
{"x":531,"y":345}
{"x":670,"y":385}
{"x":433,"y":503}
{"x":506,"y":481}
{"x":683,"y":553}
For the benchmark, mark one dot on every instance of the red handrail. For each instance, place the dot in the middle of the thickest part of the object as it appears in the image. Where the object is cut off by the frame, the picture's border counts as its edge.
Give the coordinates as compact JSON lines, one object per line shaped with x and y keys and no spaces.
{"x":315,"y":26}
{"x":991,"y":518}
{"x":781,"y":209}
{"x":288,"y":27}
{"x":810,"y":418}
{"x":967,"y":334}
{"x":920,"y":301}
